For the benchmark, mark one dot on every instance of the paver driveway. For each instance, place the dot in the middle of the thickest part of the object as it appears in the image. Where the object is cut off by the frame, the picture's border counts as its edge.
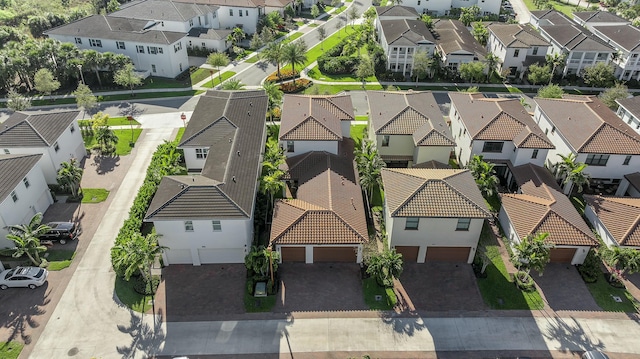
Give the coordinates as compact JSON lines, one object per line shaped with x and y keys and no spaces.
{"x":320,"y":287}
{"x":563,"y":288}
{"x":440,"y":286}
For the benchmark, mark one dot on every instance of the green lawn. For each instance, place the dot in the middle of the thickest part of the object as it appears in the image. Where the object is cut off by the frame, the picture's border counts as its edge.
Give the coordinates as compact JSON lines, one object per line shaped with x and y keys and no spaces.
{"x":362,"y":117}
{"x":315,"y":73}
{"x":59,"y":259}
{"x":497,"y":289}
{"x":559,"y":6}
{"x":10,"y":350}
{"x":216,"y":79}
{"x":293,"y":36}
{"x":94,"y":195}
{"x":129,"y":297}
{"x":377,"y":199}
{"x":180,"y":133}
{"x":252,"y":59}
{"x":603,"y":294}
{"x":124,"y":137}
{"x":112,"y":121}
{"x":340,"y":9}
{"x":357,"y":132}
{"x":262,"y":304}
{"x":370,"y":289}
{"x":334,"y":89}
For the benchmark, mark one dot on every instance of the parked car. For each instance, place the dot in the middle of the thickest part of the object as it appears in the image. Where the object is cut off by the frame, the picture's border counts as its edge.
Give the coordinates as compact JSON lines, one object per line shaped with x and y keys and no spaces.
{"x":61,"y":232}
{"x":28,"y":277}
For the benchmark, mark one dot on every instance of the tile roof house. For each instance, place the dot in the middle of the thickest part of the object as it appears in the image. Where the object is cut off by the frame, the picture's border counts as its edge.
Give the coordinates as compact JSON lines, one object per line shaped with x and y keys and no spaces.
{"x":401,"y":39}
{"x":499,"y":129}
{"x":54,"y":135}
{"x":455,"y":44}
{"x":433,"y":214}
{"x":581,"y":47}
{"x":443,"y":7}
{"x":539,"y":206}
{"x":517,"y":46}
{"x":23,"y":192}
{"x":408,"y":128}
{"x":629,"y":112}
{"x":615,"y":219}
{"x":314,"y":123}
{"x":586,"y":127}
{"x":207,"y":215}
{"x":629,"y":185}
{"x":626,"y":40}
{"x":323,"y":220}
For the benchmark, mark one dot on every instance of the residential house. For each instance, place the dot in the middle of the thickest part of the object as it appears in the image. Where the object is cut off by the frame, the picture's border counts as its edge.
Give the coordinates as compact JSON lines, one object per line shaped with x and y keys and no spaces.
{"x":517,"y":46}
{"x":498,"y":129}
{"x":433,"y":214}
{"x":587,"y":128}
{"x":314,"y":123}
{"x":323,"y":217}
{"x":54,"y":135}
{"x":581,"y":47}
{"x":626,"y":40}
{"x":408,"y":128}
{"x":23,"y":192}
{"x":539,"y":206}
{"x":615,"y":219}
{"x":401,"y":39}
{"x":395,"y":12}
{"x":592,"y":19}
{"x":443,"y":7}
{"x":207,"y":215}
{"x":455,"y":45}
{"x":629,"y":112}
{"x":629,"y":186}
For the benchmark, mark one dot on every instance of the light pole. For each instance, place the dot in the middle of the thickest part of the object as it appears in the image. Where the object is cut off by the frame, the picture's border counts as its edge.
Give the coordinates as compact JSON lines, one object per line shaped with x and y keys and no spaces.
{"x":81,"y":75}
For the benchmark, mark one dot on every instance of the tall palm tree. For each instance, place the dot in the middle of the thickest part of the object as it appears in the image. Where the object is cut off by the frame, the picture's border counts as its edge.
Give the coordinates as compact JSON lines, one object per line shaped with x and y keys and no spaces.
{"x":218,"y":59}
{"x":369,"y":165}
{"x":69,"y":176}
{"x":385,"y":267}
{"x":236,"y":36}
{"x":533,"y":252}
{"x":274,"y":53}
{"x":572,"y":172}
{"x":555,"y":60}
{"x":275,"y":96}
{"x":106,"y":141}
{"x":492,"y":61}
{"x":93,"y":60}
{"x":295,"y":53}
{"x":270,"y":184}
{"x":621,"y":260}
{"x":484,"y":175}
{"x":26,"y":239}
{"x":138,"y":255}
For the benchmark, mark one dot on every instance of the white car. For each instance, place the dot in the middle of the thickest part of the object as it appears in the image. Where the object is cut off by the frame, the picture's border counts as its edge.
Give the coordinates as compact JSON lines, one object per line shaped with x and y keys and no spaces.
{"x":29,"y":277}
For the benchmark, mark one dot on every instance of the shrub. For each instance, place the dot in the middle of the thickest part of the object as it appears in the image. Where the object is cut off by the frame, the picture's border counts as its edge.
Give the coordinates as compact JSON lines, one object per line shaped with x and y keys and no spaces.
{"x":590,"y":269}
{"x":287,"y":74}
{"x":250,"y":286}
{"x":144,"y":287}
{"x":338,"y":65}
{"x":300,"y":85}
{"x":524,"y":281}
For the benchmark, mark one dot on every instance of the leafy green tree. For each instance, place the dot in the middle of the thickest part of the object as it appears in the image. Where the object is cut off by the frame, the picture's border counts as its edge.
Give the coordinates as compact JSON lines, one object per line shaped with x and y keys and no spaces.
{"x":610,"y":95}
{"x":45,"y":83}
{"x":621,"y":260}
{"x":270,"y":184}
{"x":322,"y":34}
{"x":484,"y":175}
{"x":236,"y":36}
{"x":232,"y":85}
{"x":127,"y":77}
{"x":261,"y":260}
{"x":315,"y":11}
{"x":555,"y":61}
{"x":94,"y":60}
{"x":85,"y":98}
{"x":539,"y":74}
{"x":218,"y":60}
{"x":353,"y":14}
{"x":480,"y":33}
{"x":295,"y":53}
{"x":599,"y":75}
{"x":137,"y":255}
{"x":369,"y":165}
{"x":275,"y":96}
{"x":492,"y":61}
{"x":385,"y":267}
{"x":364,"y":69}
{"x":533,"y":252}
{"x":472,"y":71}
{"x":256,"y":41}
{"x":422,"y":64}
{"x":113,"y":6}
{"x":26,"y":239}
{"x":17,"y":102}
{"x":274,"y":53}
{"x":550,"y":91}
{"x":69,"y":176}
{"x":469,"y":14}
{"x":427,"y":21}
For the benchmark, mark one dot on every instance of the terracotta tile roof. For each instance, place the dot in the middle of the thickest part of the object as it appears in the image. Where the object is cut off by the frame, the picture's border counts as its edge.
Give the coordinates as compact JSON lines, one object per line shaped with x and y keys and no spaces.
{"x":419,"y":192}
{"x":433,"y":164}
{"x":314,"y":118}
{"x":492,"y":119}
{"x":328,"y":208}
{"x":35,"y":130}
{"x":620,"y":216}
{"x":536,"y":174}
{"x":634,"y":179}
{"x":589,"y":126}
{"x":427,"y":135}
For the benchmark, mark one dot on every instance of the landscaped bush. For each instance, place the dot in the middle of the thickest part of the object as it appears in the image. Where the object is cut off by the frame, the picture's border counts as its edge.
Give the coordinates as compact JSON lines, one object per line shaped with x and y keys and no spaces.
{"x":287,"y":74}
{"x":337,"y":65}
{"x":524,"y":281}
{"x":290,"y":87}
{"x":141,"y":286}
{"x":590,"y":269}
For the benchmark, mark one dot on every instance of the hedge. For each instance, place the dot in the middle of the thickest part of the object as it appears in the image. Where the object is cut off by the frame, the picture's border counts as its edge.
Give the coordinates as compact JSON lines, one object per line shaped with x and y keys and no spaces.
{"x":301,"y":84}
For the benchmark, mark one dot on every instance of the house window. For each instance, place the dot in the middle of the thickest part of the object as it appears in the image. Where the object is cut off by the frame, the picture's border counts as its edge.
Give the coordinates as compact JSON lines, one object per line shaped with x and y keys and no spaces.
{"x":535,"y":51}
{"x":177,"y":47}
{"x":418,"y":2}
{"x":290,"y":146}
{"x":553,"y":129}
{"x":217,"y":226}
{"x":26,"y":182}
{"x":240,"y":13}
{"x":140,"y":49}
{"x":72,"y":128}
{"x":246,"y":12}
{"x":95,"y":43}
{"x":201,"y":153}
{"x":546,"y":131}
{"x":626,"y":161}
{"x":516,"y":52}
{"x":56,"y":147}
{"x":160,"y":51}
{"x":230,"y":12}
{"x":597,"y":160}
{"x":463,"y":224}
{"x":385,"y":141}
{"x":191,"y":23}
{"x":153,"y":68}
{"x":6,"y":151}
{"x":14,"y":196}
{"x":120,"y":45}
{"x":412,"y":223}
{"x":495,"y":147}
{"x":78,"y":41}
{"x":204,"y":45}
{"x":188,"y":226}
{"x":534,"y":154}
{"x":152,"y":50}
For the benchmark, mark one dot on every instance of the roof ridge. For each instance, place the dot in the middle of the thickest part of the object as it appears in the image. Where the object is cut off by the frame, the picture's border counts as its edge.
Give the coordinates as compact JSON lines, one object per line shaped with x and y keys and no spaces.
{"x":588,"y":234}
{"x":170,"y":200}
{"x":33,"y":128}
{"x":460,"y":192}
{"x":329,"y":100}
{"x":183,"y":142}
{"x":631,"y":229}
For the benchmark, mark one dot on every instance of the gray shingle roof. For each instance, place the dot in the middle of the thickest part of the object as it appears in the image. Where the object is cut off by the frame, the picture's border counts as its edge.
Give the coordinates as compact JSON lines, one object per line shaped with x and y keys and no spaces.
{"x":575,"y":37}
{"x":35,"y":130}
{"x":404,"y":32}
{"x":599,"y":16}
{"x":632,"y":105}
{"x":231,"y":124}
{"x":517,"y":35}
{"x":13,"y":168}
{"x":452,"y":36}
{"x":552,"y":16}
{"x":211,"y":34}
{"x":162,"y":10}
{"x":396,"y":10}
{"x":626,"y":36}
{"x":116,"y":28}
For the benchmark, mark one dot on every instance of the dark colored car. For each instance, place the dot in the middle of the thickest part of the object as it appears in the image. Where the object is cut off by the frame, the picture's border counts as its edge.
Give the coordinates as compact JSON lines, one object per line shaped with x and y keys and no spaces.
{"x":61,"y":232}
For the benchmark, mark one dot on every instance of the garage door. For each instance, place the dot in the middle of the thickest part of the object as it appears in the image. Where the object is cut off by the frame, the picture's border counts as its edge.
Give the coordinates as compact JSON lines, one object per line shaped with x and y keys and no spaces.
{"x":448,"y":254}
{"x":334,"y":254}
{"x":179,"y":256}
{"x":293,"y":254}
{"x":562,"y":255}
{"x":409,"y":253}
{"x":221,"y":255}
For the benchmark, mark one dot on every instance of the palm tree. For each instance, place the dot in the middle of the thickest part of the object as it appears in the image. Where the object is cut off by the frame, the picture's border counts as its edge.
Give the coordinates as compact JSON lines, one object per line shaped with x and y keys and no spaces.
{"x":385,"y":267}
{"x":369,"y":165}
{"x":555,"y":61}
{"x":275,"y":96}
{"x":533,"y":252}
{"x":233,"y":85}
{"x":218,"y":59}
{"x":572,"y":171}
{"x":93,"y":60}
{"x":274,"y":53}
{"x":69,"y":176}
{"x":621,"y":260}
{"x":138,"y":255}
{"x":491,"y":60}
{"x":236,"y":36}
{"x":484,"y":175}
{"x":273,"y":156}
{"x":26,"y":239}
{"x":295,"y":53}
{"x":106,"y":141}
{"x":270,"y":184}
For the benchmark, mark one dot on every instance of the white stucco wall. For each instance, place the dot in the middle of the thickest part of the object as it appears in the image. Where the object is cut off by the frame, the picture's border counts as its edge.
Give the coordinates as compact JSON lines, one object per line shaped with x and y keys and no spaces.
{"x":599,"y":227}
{"x":248,"y":20}
{"x":523,"y":156}
{"x":399,"y":145}
{"x":428,"y":153}
{"x":614,"y":168}
{"x":192,"y":162}
{"x":628,"y":118}
{"x":300,"y":147}
{"x":561,"y":144}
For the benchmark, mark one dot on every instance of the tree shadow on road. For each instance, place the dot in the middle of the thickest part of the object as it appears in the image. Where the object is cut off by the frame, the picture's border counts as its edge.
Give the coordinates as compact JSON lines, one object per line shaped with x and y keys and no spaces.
{"x":20,"y":313}
{"x":105,"y":164}
{"x":406,"y":322}
{"x":145,"y":338}
{"x":570,"y":336}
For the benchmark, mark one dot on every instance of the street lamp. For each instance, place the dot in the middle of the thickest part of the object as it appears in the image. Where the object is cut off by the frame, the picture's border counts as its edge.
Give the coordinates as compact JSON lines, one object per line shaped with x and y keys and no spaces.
{"x":81,"y":75}
{"x":183,"y":117}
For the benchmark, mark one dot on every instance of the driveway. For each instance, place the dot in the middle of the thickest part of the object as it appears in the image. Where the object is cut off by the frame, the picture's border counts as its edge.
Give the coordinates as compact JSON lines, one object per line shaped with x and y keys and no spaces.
{"x":320,"y":287}
{"x":563,"y":288}
{"x":441,"y":286}
{"x":201,"y":293}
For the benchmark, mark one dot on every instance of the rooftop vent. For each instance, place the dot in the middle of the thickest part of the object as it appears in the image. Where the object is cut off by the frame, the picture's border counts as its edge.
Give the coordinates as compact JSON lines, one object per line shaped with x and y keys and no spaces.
{"x":233,"y":179}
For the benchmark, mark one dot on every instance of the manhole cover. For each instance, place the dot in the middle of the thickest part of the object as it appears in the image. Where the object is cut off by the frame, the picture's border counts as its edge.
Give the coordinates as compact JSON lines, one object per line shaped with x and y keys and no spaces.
{"x":617,"y":299}
{"x":72,"y":352}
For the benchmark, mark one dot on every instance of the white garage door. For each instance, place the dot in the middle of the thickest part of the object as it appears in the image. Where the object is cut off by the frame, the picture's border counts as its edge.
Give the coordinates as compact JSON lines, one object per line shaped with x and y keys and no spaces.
{"x":43,"y":202}
{"x":221,"y":255}
{"x":179,"y":256}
